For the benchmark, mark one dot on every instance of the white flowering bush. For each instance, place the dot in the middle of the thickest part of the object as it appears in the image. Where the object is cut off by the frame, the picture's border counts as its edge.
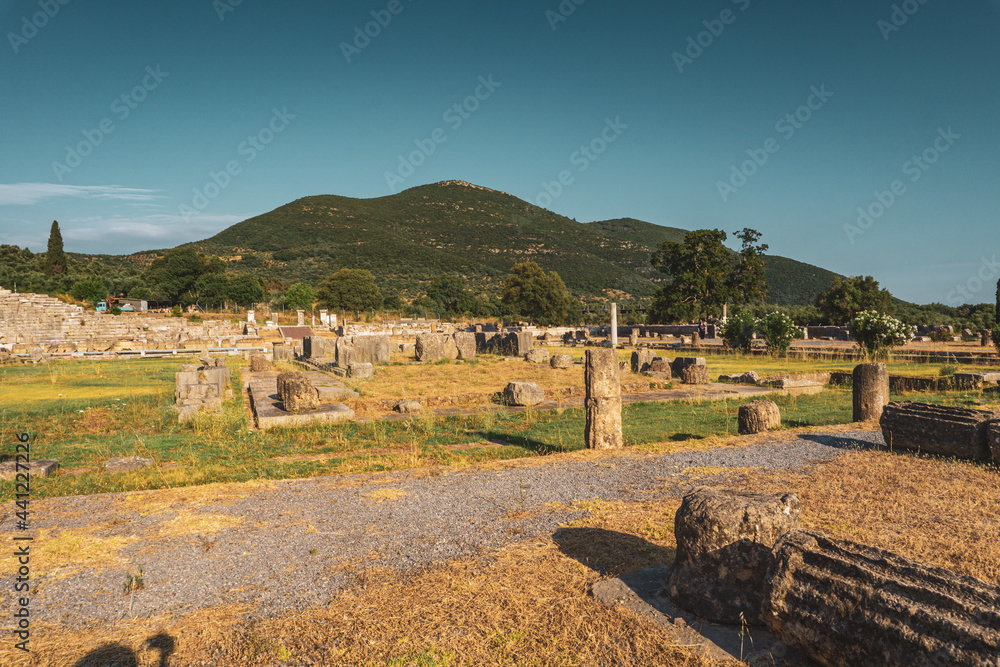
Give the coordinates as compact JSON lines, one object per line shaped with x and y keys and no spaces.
{"x":738,"y":332}
{"x":778,"y":331}
{"x":877,"y":333}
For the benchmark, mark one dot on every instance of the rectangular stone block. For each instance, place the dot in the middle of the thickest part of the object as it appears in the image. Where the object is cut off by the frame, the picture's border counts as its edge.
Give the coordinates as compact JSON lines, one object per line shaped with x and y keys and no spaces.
{"x":466,"y":344}
{"x":187,"y":377}
{"x":372,"y":349}
{"x":315,"y":347}
{"x":487,"y":342}
{"x":641,"y":359}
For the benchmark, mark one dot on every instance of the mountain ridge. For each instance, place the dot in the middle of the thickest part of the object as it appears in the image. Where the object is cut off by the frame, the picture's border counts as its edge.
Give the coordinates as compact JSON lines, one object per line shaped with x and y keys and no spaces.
{"x":454,"y":226}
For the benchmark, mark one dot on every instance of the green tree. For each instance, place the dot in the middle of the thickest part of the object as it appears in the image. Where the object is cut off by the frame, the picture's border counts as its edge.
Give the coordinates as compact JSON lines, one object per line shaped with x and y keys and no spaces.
{"x":246,"y":289}
{"x":996,"y":321}
{"x":844,"y":299}
{"x":539,"y":296}
{"x":451,"y":293}
{"x":212,"y":289}
{"x":90,"y":290}
{"x":172,"y":277}
{"x":350,"y":289}
{"x":747,"y":280}
{"x":56,"y":262}
{"x":700,"y":271}
{"x":393,"y":302}
{"x":300,"y":297}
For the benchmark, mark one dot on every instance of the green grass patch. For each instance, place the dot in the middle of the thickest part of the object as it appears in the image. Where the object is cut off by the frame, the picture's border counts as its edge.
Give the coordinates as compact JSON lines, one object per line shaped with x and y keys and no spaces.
{"x":123,"y":408}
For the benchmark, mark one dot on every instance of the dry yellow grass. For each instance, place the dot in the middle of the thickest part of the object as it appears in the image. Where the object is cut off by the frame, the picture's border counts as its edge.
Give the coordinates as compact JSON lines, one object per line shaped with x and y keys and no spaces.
{"x":480,"y":379}
{"x":530,"y":603}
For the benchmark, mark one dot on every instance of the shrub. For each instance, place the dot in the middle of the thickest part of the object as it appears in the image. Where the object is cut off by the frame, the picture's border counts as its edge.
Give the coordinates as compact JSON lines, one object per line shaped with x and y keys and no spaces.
{"x":176,"y":312}
{"x":115,"y":310}
{"x":778,"y":331}
{"x":738,"y":332}
{"x":876,"y":334}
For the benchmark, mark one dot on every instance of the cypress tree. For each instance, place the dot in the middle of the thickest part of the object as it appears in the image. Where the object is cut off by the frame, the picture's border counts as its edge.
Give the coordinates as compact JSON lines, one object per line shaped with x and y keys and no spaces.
{"x":55,"y":258}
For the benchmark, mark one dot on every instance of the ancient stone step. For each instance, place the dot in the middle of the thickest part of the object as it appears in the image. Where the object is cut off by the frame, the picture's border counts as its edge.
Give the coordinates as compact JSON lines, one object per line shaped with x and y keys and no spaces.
{"x":936,"y":429}
{"x":848,"y":604}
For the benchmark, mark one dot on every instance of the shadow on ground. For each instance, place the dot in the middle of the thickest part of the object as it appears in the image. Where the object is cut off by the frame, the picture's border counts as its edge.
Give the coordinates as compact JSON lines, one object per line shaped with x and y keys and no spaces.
{"x":118,"y":655}
{"x":608,"y":552}
{"x":840,"y":442}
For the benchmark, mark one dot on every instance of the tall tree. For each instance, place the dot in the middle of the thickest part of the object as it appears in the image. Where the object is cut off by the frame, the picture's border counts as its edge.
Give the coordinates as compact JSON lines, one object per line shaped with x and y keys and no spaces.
{"x":844,"y":299}
{"x":350,"y":289}
{"x":996,"y":319}
{"x":246,"y":289}
{"x":747,"y":280}
{"x":212,"y":289}
{"x":172,"y":277}
{"x":55,"y":259}
{"x":450,"y":292}
{"x":700,"y":271}
{"x":539,"y":296}
{"x":300,"y":297}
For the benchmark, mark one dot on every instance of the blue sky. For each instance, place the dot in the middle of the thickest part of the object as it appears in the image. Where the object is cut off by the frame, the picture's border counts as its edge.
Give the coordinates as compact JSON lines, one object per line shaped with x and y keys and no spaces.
{"x":860,"y":136}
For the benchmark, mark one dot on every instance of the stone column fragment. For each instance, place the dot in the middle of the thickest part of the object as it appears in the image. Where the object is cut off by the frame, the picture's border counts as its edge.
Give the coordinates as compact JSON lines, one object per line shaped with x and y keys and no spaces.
{"x":871,"y":391}
{"x":603,"y":429}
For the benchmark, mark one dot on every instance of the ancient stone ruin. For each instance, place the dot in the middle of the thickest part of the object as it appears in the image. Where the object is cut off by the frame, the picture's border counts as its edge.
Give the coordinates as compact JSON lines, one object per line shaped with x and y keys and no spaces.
{"x":537,"y":355}
{"x":35,"y":324}
{"x":724,"y":541}
{"x":436,"y":347}
{"x":758,"y":417}
{"x":297,"y":392}
{"x":870,"y":387}
{"x":523,"y":394}
{"x":848,"y":604}
{"x":603,"y":428}
{"x":841,"y":603}
{"x":202,"y":387}
{"x":561,"y":361}
{"x":641,"y":359}
{"x":936,"y":429}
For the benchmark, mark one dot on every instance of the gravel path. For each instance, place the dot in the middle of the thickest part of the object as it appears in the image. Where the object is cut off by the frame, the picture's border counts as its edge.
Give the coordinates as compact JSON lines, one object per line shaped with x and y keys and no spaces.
{"x":289,"y":545}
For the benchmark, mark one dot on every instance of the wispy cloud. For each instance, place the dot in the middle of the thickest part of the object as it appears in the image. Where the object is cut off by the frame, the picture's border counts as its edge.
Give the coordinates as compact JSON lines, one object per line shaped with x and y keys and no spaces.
{"x":28,"y":194}
{"x":156,"y":227}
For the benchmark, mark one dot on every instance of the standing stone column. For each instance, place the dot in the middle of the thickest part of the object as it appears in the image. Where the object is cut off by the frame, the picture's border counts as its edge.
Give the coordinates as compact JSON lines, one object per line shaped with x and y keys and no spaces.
{"x":604,"y":400}
{"x":614,"y":326}
{"x":301,"y":317}
{"x":984,"y":338}
{"x":871,"y":391}
{"x":633,"y":337}
{"x":251,"y":317}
